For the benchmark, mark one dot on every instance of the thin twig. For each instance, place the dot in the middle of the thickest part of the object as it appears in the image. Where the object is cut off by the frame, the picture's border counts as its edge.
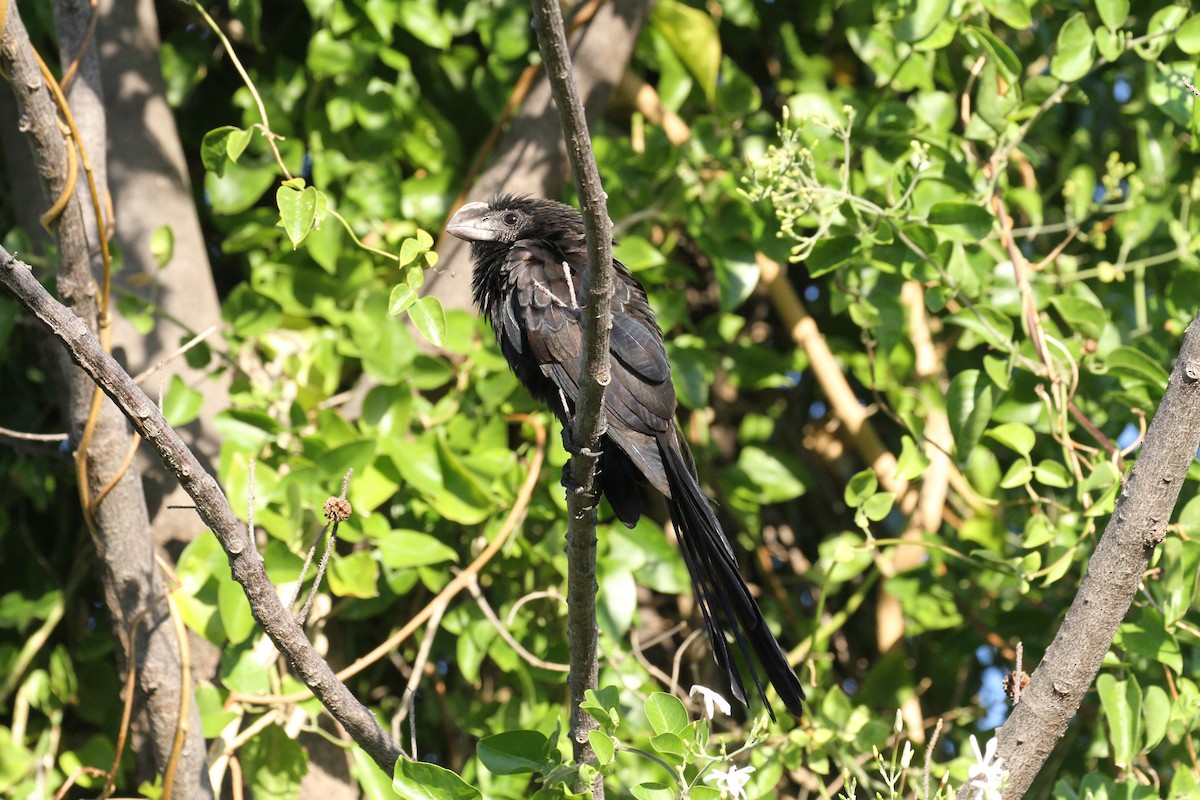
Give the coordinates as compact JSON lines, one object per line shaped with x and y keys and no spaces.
{"x":176,"y":353}
{"x":185,"y":696}
{"x":505,"y":634}
{"x":418,"y":668}
{"x":33,"y":437}
{"x":265,"y":126}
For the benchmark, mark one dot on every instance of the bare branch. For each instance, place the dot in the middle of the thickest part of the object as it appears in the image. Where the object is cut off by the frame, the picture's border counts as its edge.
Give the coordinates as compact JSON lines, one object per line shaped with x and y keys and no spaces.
{"x":1138,"y":524}
{"x":588,"y":423}
{"x":212,"y":505}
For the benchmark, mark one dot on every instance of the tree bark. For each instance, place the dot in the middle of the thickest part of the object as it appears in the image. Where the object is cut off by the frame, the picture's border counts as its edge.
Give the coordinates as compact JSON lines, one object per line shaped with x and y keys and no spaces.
{"x":213,"y":507}
{"x":588,"y":424}
{"x":1138,"y":524}
{"x":119,"y":524}
{"x":148,"y":178}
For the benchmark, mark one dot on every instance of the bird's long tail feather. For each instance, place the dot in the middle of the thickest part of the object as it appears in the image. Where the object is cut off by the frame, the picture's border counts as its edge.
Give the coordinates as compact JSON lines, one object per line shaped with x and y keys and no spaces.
{"x":725,"y":600}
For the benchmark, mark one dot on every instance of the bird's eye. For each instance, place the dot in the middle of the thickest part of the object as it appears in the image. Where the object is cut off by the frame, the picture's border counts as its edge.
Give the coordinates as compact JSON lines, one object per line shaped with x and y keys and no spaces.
{"x":510,"y":218}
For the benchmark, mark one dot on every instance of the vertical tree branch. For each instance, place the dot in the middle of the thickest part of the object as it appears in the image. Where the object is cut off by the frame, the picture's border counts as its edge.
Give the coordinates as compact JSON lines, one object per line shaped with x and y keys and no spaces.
{"x":119,"y":523}
{"x":1138,"y":524}
{"x":588,"y":424}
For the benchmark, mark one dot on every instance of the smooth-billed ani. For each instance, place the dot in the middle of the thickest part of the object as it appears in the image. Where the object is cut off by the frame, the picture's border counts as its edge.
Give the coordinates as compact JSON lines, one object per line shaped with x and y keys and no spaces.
{"x":529,"y":255}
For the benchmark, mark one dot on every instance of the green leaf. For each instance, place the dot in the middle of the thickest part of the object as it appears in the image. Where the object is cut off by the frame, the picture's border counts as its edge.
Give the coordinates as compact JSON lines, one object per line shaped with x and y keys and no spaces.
{"x":1145,"y":635}
{"x":422,"y":19}
{"x":668,"y":745}
{"x":963,"y":220}
{"x":162,"y":245}
{"x":1156,"y":707}
{"x":237,"y":143}
{"x":233,"y":609}
{"x":18,"y":610}
{"x":774,"y":481}
{"x":1188,"y":35}
{"x":692,"y":36}
{"x":273,"y":764}
{"x":461,"y":484}
{"x":996,"y":100}
{"x":15,"y":760}
{"x":830,"y":252}
{"x":181,"y":403}
{"x":737,"y":273}
{"x":637,"y":253}
{"x":354,"y":575}
{"x":878,"y":506}
{"x":845,"y":556}
{"x":1110,"y":44}
{"x":912,"y":462}
{"x":1113,"y":13}
{"x":969,"y":403}
{"x":210,"y":701}
{"x":922,"y":18}
{"x":991,"y":324}
{"x":513,"y":752}
{"x":297,"y":210}
{"x":1121,"y":702}
{"x":376,"y":784}
{"x":1134,"y":364}
{"x":1018,"y":474}
{"x":429,"y":318}
{"x":1038,"y":531}
{"x":418,"y":780}
{"x":1082,"y":314}
{"x":861,"y":486}
{"x":652,"y":791}
{"x":402,"y":297}
{"x":1013,"y":13}
{"x":1006,"y":59}
{"x":1053,"y":473}
{"x":1076,"y":50}
{"x":413,"y":247}
{"x":403,"y":549}
{"x":603,"y":746}
{"x":601,"y":704}
{"x":998,"y":371}
{"x":666,"y":713}
{"x":1014,"y":436}
{"x":1180,"y":565}
{"x":214,"y":152}
{"x":1159,"y":30}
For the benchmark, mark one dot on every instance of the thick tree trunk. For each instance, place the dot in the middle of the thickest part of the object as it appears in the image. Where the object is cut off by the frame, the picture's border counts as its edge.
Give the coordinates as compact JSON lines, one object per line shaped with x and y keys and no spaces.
{"x":148,"y":178}
{"x":119,"y":524}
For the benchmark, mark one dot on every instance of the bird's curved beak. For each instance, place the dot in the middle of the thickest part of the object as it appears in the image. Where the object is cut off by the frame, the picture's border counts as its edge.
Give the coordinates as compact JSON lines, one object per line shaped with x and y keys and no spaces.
{"x":473,"y":223}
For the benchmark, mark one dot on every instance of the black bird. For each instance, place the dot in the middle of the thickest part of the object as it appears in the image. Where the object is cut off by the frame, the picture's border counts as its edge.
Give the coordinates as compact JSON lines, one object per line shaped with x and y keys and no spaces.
{"x":529,"y":255}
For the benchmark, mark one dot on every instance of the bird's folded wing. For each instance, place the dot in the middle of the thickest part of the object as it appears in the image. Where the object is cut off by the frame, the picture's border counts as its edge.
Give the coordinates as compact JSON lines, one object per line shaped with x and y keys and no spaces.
{"x":640,"y":398}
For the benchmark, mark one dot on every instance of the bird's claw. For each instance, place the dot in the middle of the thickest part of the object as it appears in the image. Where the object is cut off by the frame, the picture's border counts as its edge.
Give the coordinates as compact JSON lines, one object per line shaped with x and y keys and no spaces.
{"x":571,"y":485}
{"x":574,"y":447}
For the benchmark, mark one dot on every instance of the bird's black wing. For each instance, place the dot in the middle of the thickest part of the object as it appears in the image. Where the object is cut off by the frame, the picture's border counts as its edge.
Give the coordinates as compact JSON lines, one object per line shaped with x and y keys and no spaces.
{"x":541,"y":322}
{"x":541,"y":319}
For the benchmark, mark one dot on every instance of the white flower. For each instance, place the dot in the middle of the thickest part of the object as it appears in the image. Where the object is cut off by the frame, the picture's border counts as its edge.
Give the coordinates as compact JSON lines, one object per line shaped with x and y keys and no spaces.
{"x":713,"y":702}
{"x":731,"y":784}
{"x":987,"y":777}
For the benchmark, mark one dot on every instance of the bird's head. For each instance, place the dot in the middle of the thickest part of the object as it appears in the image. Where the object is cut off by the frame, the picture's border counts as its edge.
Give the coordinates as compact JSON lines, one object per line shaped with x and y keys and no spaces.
{"x":507,"y":219}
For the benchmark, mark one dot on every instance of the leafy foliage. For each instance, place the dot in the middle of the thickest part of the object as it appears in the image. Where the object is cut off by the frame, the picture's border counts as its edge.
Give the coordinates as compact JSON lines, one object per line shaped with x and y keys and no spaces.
{"x":1022,"y":169}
